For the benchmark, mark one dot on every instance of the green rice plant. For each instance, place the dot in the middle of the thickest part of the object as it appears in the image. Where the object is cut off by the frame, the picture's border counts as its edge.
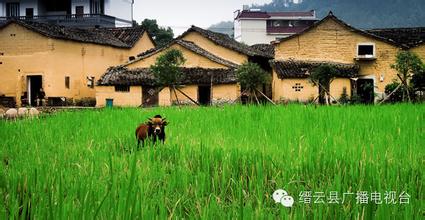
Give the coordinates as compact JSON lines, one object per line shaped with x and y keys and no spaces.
{"x":217,"y":162}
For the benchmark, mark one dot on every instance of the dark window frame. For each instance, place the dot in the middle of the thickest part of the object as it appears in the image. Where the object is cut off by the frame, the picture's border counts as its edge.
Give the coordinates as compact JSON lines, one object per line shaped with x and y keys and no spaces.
{"x":78,"y":13}
{"x":13,"y":9}
{"x":366,"y":49}
{"x":122,"y":88}
{"x":29,"y":13}
{"x":67,"y":82}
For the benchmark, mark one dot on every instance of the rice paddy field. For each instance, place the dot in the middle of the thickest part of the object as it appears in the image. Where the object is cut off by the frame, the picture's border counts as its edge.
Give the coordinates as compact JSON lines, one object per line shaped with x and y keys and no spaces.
{"x":338,"y":162}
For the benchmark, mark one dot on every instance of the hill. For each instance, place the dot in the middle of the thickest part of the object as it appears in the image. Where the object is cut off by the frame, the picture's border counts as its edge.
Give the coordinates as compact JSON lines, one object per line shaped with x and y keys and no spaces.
{"x":365,"y":14}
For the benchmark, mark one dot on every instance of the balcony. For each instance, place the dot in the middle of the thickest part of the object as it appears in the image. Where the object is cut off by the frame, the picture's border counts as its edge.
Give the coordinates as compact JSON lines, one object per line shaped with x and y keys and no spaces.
{"x":285,"y":30}
{"x":74,"y":20}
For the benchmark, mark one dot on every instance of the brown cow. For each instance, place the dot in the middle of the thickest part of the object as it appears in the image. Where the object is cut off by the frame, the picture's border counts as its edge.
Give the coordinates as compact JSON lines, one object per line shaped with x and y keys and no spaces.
{"x":153,"y":129}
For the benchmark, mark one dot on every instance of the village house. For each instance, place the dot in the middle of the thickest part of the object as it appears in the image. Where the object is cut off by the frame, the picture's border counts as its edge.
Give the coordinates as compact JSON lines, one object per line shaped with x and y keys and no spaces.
{"x":75,"y":13}
{"x":64,"y":61}
{"x":252,"y":26}
{"x":209,"y":70}
{"x":363,"y":60}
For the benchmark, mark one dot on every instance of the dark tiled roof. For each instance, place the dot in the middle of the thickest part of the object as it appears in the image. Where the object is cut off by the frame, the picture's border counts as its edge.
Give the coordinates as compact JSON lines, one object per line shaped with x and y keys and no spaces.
{"x":265,"y":48}
{"x":115,"y":37}
{"x":143,"y":76}
{"x":128,"y":35}
{"x":253,"y":14}
{"x":292,"y":14}
{"x":409,"y":37}
{"x":190,"y":46}
{"x":330,"y":16}
{"x":302,"y":69}
{"x":266,"y":15}
{"x":225,"y":41}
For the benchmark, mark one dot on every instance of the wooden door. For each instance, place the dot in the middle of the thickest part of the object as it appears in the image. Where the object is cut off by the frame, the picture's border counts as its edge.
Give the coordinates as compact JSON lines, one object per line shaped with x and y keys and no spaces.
{"x":150,"y":96}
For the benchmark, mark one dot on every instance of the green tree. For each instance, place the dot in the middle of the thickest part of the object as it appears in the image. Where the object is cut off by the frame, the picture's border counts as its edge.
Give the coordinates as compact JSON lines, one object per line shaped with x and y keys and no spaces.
{"x":168,"y":73}
{"x":418,"y":80}
{"x":161,"y":35}
{"x":251,"y":76}
{"x":322,"y":76}
{"x":167,"y":69}
{"x":407,"y":64}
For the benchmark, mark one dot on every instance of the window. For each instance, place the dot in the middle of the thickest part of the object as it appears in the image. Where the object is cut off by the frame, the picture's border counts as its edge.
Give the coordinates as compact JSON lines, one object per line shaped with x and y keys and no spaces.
{"x":97,"y":7}
{"x":67,"y":82}
{"x":122,"y":88}
{"x":29,"y":13}
{"x":297,"y":87}
{"x":90,"y":81}
{"x":79,"y":11}
{"x":12,"y":9}
{"x":366,"y":50}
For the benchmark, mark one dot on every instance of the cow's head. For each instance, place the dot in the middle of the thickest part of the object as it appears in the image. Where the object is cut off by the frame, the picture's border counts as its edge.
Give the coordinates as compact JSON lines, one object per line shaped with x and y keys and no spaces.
{"x":157,"y":124}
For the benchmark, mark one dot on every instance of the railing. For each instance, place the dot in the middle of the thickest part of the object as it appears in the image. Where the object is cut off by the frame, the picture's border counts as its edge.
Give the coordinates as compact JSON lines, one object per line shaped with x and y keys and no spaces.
{"x":80,"y":20}
{"x":286,"y":30}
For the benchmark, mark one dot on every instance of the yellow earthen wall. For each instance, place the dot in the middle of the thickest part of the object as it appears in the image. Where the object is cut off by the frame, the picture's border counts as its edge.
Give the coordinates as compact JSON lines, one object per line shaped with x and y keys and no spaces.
{"x":164,"y":97}
{"x":331,"y":41}
{"x":28,"y":53}
{"x":192,"y":59}
{"x":225,"y":93}
{"x":283,"y":91}
{"x":420,"y":51}
{"x":123,"y":99}
{"x":215,"y":49}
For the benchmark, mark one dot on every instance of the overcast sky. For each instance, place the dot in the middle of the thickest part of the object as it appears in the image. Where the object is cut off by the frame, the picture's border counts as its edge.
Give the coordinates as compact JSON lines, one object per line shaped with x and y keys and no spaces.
{"x":181,"y":14}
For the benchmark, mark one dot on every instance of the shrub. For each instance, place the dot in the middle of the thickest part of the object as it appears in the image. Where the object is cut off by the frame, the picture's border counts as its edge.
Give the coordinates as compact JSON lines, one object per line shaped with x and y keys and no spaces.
{"x":86,"y":102}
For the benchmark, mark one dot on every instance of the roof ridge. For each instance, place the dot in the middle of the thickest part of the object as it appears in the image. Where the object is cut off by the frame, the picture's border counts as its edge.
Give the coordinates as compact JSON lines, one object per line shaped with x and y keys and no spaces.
{"x":89,"y":35}
{"x":224,"y":40}
{"x":188,"y":45}
{"x":341,"y":22}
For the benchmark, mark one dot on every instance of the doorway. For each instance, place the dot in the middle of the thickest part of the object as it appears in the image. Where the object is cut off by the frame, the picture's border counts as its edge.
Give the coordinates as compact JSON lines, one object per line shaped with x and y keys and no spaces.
{"x":79,"y":11}
{"x":365,"y":91}
{"x":204,"y":95}
{"x":150,"y":96}
{"x":34,"y":84}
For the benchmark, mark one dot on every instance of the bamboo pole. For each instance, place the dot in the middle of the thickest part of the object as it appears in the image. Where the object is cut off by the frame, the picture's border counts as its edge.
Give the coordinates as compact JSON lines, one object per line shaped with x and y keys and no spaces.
{"x":386,"y":98}
{"x":175,"y":94}
{"x":187,"y":96}
{"x":327,"y":92}
{"x":266,"y":97}
{"x":404,"y":82}
{"x":256,"y":98}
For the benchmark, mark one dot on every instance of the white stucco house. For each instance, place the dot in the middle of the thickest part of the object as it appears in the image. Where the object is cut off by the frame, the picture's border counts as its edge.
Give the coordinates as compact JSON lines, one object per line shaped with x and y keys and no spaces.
{"x":80,"y":13}
{"x":252,"y":26}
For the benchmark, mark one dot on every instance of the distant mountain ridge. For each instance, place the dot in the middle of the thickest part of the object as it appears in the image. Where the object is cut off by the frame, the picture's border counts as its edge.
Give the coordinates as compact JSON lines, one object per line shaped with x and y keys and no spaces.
{"x":364,"y":14}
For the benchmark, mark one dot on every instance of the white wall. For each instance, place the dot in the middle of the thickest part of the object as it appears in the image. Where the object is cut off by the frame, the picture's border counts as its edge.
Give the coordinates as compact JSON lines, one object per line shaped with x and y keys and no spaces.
{"x":24,"y":4}
{"x":237,"y":30}
{"x":2,"y":9}
{"x":254,"y":32}
{"x":85,"y":3}
{"x":119,"y":9}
